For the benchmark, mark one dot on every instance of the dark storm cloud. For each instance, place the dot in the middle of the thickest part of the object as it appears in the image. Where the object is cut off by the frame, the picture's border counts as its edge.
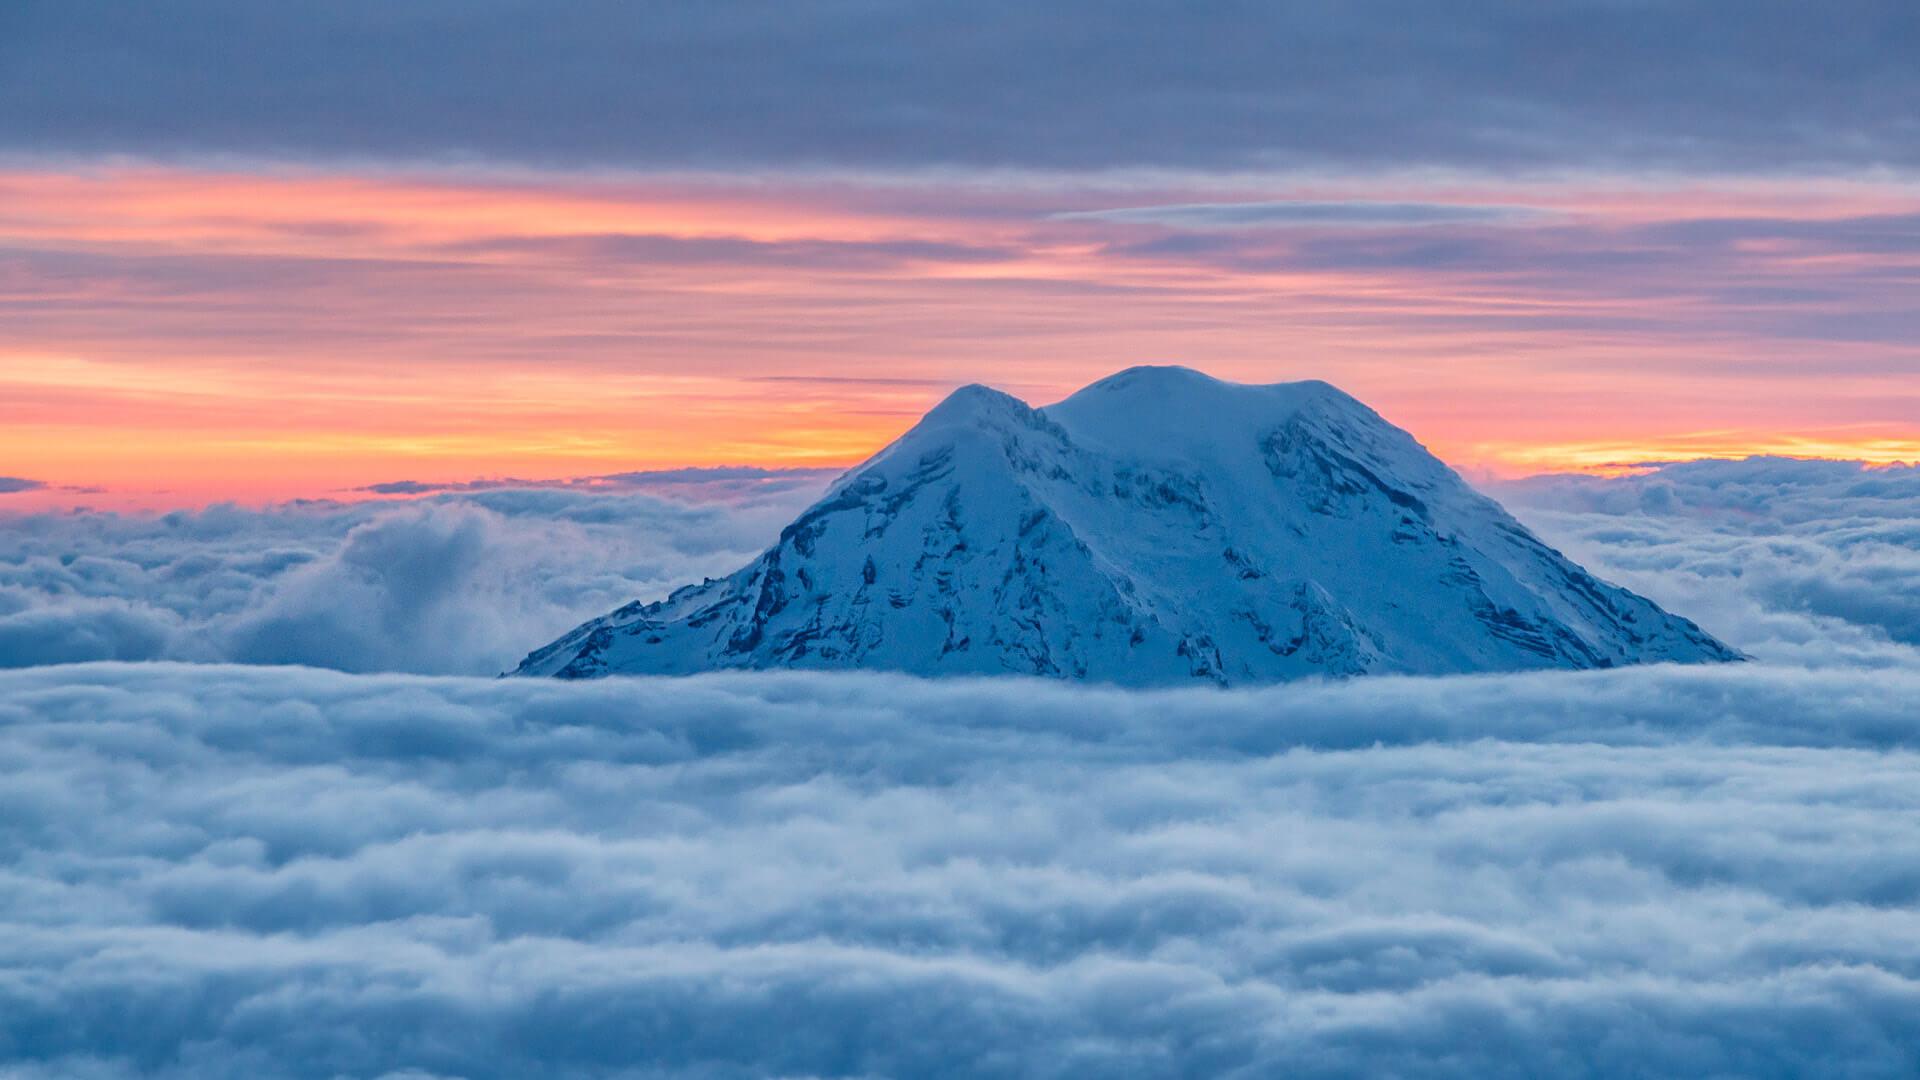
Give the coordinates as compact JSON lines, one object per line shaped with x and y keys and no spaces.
{"x":223,"y":872}
{"x":1750,"y":85}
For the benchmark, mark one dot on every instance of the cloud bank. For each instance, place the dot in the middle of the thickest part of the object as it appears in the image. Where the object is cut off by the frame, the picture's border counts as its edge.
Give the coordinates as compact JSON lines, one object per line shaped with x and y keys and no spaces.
{"x":460,"y":583}
{"x":219,"y":871}
{"x":1791,"y":560}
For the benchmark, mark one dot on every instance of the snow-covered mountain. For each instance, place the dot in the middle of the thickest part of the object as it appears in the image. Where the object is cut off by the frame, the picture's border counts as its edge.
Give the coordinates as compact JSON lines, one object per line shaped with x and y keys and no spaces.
{"x":1159,"y":526}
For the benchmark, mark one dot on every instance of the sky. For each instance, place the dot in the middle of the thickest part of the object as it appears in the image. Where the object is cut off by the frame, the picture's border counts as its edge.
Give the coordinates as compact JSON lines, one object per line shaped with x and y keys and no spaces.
{"x":260,"y":252}
{"x":349,"y":350}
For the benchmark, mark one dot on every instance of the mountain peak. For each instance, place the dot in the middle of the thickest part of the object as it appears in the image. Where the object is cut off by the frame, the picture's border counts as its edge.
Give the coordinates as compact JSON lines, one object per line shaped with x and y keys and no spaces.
{"x":1168,"y":388}
{"x":972,"y":402}
{"x":974,"y":417}
{"x":1179,"y":414}
{"x":1152,"y":375}
{"x":1179,"y":378}
{"x":1158,"y":526}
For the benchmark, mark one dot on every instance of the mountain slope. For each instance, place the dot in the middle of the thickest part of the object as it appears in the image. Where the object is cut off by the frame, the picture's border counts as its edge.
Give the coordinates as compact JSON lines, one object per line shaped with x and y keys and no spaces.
{"x":1159,"y":526}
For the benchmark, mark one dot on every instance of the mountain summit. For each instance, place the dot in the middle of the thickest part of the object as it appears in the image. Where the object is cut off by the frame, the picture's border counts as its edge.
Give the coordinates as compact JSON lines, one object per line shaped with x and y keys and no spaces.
{"x":1159,"y":526}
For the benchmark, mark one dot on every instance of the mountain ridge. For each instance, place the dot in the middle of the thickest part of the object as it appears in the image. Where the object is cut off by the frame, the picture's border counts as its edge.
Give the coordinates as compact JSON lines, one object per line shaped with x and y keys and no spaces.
{"x":1158,"y":526}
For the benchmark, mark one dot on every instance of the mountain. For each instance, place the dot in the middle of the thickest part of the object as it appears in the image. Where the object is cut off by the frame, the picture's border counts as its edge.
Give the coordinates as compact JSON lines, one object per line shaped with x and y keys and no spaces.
{"x":1159,"y":526}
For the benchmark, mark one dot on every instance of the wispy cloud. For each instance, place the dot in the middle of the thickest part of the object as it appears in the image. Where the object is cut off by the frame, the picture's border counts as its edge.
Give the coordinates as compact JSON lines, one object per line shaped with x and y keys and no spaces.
{"x":1310,"y":214}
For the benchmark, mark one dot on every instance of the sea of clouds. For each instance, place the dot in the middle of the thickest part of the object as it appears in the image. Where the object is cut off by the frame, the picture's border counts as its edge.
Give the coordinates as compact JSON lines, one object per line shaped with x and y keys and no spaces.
{"x":258,"y":872}
{"x":237,"y":870}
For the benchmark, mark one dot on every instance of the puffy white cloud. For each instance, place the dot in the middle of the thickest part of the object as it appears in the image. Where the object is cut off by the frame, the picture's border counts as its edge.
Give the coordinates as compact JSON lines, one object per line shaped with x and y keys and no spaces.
{"x":231,"y":871}
{"x":431,"y":588}
{"x":462,"y":582}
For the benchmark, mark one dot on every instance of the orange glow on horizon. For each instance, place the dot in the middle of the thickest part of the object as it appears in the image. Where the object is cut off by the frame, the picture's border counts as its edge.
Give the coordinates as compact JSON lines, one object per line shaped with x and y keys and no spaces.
{"x":1626,"y":458}
{"x":175,"y":337}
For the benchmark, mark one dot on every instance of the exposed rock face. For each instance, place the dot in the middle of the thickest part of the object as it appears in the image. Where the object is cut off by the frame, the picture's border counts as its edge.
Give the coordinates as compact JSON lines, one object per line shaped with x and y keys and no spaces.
{"x":1157,"y":527}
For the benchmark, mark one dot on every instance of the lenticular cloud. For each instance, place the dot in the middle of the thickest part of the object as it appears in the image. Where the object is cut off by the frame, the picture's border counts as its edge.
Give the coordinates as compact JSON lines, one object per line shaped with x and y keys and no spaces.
{"x":222,"y":871}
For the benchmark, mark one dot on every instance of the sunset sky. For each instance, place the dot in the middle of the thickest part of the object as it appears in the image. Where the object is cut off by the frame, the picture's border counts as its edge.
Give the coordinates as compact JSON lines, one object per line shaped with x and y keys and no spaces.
{"x":276,"y":251}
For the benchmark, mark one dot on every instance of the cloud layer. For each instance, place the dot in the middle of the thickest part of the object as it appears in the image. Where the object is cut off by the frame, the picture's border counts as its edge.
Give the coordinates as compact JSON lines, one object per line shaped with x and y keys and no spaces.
{"x":273,"y":872}
{"x":228,"y":871}
{"x":1490,"y":84}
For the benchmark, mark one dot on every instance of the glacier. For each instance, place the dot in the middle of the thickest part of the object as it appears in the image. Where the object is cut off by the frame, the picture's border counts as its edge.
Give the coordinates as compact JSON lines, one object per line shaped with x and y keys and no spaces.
{"x":1158,"y":527}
